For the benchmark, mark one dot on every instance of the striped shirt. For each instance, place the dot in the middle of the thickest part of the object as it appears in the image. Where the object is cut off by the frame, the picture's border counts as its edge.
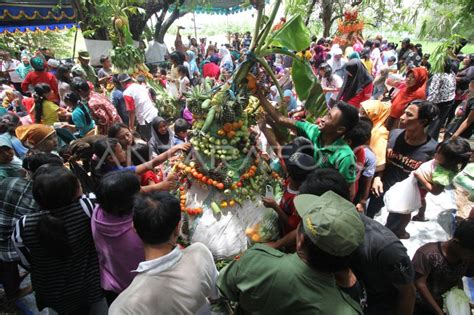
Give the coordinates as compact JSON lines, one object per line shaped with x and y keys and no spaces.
{"x":63,"y":284}
{"x":16,"y":200}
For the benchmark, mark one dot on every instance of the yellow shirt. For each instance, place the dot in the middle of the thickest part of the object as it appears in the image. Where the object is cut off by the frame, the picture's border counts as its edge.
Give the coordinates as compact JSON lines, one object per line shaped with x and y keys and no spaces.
{"x":50,"y":113}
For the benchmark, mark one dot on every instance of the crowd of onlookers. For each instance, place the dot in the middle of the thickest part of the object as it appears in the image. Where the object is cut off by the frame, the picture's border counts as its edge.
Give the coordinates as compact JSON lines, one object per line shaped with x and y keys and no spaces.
{"x":97,"y":228}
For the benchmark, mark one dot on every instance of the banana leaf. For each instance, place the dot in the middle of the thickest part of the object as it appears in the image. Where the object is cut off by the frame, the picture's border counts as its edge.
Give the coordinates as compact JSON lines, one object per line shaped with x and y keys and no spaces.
{"x":293,"y":35}
{"x":316,"y":102}
{"x":303,"y":77}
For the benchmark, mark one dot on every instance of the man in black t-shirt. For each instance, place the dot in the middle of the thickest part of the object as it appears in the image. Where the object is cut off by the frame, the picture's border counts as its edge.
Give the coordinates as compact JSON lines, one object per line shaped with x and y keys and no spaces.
{"x":407,"y":149}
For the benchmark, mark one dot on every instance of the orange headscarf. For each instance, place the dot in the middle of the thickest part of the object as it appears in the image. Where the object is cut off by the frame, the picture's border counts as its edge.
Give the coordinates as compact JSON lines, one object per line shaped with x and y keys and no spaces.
{"x":409,"y":94}
{"x":33,"y":135}
{"x":378,"y":113}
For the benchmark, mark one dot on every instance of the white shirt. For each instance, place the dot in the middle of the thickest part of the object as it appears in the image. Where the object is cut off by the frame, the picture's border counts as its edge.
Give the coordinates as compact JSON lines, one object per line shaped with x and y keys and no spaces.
{"x":336,"y":83}
{"x":177,"y":283}
{"x":138,"y":99}
{"x":10,"y":67}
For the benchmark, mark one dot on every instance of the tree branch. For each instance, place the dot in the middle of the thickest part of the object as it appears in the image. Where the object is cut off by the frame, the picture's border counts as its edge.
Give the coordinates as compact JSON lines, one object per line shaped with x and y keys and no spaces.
{"x":310,"y":11}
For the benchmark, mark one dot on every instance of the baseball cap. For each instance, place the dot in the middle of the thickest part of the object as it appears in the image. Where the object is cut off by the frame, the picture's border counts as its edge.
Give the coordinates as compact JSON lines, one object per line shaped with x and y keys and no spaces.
{"x":5,"y":140}
{"x":299,"y":144}
{"x":103,"y":58}
{"x":123,"y":77}
{"x":331,"y":222}
{"x":84,"y":55}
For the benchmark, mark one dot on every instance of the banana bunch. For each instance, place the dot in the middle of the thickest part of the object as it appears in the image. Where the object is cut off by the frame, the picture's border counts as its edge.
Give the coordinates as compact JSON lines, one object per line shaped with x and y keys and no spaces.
{"x":198,"y":100}
{"x":253,"y":109}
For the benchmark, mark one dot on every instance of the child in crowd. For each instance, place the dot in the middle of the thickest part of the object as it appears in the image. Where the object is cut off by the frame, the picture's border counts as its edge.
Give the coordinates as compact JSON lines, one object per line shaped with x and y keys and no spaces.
{"x":81,"y":117}
{"x":298,"y":166}
{"x":181,"y":128}
{"x":184,"y":82}
{"x":109,"y":156}
{"x":118,"y":246}
{"x":440,"y":266}
{"x":358,"y":139}
{"x":163,"y":78}
{"x":141,"y":154}
{"x":450,"y":158}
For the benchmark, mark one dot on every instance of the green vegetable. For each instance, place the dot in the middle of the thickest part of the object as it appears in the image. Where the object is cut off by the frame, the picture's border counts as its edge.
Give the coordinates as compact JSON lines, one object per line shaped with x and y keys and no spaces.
{"x":215,"y":208}
{"x":205,"y":104}
{"x":209,"y":119}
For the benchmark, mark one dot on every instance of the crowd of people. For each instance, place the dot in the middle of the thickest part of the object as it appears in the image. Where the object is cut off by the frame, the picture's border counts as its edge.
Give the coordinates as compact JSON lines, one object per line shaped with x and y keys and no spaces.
{"x":97,"y":228}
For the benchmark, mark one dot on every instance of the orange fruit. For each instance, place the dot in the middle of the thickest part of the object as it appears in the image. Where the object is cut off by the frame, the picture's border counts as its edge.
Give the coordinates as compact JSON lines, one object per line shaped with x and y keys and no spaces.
{"x":235,"y":125}
{"x":255,"y":238}
{"x":227,"y":127}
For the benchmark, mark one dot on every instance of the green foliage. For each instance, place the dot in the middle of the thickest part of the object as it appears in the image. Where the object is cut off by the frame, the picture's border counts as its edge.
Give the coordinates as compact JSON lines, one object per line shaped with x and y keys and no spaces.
{"x":445,"y":18}
{"x":293,"y":35}
{"x":442,"y":53}
{"x":60,"y":42}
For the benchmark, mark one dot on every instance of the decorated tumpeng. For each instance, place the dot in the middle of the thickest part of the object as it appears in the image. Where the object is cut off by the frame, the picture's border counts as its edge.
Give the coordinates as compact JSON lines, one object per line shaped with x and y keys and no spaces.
{"x":224,"y":177}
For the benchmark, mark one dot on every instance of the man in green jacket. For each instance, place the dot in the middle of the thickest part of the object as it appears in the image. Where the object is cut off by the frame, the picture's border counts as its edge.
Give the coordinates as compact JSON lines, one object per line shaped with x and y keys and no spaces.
{"x":267,"y":281}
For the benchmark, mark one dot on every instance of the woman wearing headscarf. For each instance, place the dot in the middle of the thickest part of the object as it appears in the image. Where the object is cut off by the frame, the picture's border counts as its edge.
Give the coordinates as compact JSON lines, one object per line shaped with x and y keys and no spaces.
{"x":289,"y":100}
{"x":357,"y":86}
{"x":193,"y":67}
{"x":37,"y":136}
{"x":378,"y":113}
{"x":226,"y":60}
{"x":24,"y":67}
{"x":414,"y":89}
{"x":284,"y":79}
{"x":41,"y":76}
{"x":161,"y":137}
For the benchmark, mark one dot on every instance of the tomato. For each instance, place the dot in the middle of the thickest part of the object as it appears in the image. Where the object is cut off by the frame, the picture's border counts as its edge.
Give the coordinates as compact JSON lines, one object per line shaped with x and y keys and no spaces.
{"x":204,"y":179}
{"x":227,"y":127}
{"x":220,"y":186}
{"x":239,"y":184}
{"x":210,"y":181}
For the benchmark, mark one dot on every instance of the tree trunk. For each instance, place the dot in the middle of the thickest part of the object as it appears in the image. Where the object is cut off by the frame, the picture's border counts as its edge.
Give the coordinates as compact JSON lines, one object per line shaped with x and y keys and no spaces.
{"x":138,"y":21}
{"x":326,"y":13}
{"x":162,"y":28}
{"x":310,"y":11}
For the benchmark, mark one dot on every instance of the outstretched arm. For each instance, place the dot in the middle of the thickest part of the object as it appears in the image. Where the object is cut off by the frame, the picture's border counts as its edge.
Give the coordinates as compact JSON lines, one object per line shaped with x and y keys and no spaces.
{"x":274,"y":114}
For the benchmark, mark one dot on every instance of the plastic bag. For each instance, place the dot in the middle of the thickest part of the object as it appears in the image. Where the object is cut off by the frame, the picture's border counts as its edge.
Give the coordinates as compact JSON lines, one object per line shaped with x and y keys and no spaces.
{"x":403,"y":197}
{"x":465,"y":180}
{"x":456,"y":302}
{"x":266,"y":230}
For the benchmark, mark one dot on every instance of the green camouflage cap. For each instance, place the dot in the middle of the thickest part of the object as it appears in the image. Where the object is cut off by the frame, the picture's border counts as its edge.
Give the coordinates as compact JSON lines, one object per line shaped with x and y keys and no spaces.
{"x":331,"y":222}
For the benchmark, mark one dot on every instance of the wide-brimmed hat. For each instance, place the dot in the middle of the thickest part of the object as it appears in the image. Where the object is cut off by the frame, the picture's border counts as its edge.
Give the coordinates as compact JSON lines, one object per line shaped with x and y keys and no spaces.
{"x":84,"y":55}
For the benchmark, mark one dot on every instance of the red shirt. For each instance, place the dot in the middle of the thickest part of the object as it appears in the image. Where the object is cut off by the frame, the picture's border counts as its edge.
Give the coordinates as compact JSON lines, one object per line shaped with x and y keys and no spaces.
{"x":36,"y":77}
{"x":363,"y":95}
{"x":211,"y":70}
{"x":29,"y":103}
{"x":288,"y":206}
{"x":148,"y":176}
